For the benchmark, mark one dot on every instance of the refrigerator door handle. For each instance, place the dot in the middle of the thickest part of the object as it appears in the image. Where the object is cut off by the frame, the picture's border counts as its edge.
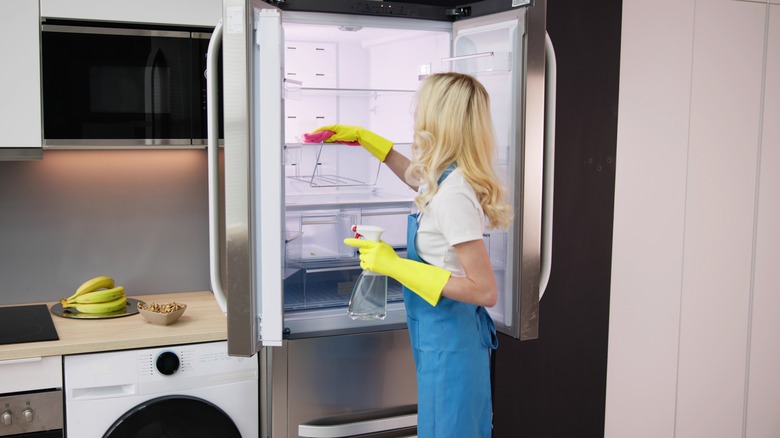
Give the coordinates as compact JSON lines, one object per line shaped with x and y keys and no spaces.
{"x":551,"y":82}
{"x":212,"y":119}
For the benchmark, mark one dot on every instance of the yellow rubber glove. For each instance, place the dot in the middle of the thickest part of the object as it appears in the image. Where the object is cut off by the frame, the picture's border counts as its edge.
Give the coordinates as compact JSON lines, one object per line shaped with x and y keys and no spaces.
{"x":425,"y":280}
{"x":377,"y":145}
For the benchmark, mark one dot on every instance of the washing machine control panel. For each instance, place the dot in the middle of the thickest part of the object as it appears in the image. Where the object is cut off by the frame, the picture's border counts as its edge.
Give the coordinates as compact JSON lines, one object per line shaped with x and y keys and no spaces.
{"x":167,"y":363}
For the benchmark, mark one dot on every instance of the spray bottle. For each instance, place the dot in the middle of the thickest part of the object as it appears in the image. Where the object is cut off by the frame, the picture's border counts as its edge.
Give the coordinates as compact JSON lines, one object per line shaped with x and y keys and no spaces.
{"x":369,"y":296}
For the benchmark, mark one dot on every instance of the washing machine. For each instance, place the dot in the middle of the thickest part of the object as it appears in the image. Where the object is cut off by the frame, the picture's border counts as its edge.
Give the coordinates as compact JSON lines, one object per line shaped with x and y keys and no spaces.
{"x":191,"y":391}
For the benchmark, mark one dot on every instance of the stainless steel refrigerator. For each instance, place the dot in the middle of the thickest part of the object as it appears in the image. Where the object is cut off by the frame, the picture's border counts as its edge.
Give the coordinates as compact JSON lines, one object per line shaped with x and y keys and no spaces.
{"x":278,"y":264}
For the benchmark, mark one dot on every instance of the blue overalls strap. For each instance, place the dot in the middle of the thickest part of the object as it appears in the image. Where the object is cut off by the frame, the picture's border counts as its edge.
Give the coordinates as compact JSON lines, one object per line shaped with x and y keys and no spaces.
{"x":446,"y":173}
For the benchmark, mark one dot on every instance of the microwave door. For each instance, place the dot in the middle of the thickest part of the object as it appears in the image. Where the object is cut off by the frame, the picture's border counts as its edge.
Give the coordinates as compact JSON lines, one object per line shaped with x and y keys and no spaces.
{"x":251,"y":30}
{"x":505,"y":51}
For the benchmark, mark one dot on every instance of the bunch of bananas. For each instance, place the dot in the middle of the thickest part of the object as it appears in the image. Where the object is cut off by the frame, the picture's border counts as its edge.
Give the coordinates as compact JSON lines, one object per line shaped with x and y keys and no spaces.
{"x":97,"y":295}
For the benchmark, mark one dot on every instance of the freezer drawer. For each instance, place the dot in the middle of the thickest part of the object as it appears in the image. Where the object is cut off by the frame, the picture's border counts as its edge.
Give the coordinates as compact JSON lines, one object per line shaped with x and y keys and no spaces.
{"x":329,"y":379}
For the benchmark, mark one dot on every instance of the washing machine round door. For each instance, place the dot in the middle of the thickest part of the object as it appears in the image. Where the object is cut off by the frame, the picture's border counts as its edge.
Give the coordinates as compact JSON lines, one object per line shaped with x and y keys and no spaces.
{"x":174,"y":416}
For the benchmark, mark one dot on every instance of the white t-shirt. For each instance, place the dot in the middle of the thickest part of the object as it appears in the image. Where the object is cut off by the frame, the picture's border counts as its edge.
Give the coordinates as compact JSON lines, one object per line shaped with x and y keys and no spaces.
{"x":453,"y":216}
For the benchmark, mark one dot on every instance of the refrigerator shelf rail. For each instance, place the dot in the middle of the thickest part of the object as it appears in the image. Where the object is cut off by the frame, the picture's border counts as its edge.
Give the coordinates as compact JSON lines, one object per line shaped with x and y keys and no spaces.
{"x":484,"y":62}
{"x":296,"y":92}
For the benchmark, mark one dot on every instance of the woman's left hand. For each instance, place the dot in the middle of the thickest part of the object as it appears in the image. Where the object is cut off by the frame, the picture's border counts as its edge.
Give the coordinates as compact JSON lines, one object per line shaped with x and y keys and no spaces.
{"x":425,"y":280}
{"x":378,"y":257}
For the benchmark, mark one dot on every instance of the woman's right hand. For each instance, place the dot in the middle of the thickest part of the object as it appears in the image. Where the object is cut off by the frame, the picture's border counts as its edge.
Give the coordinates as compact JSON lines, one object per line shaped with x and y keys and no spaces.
{"x":377,"y":145}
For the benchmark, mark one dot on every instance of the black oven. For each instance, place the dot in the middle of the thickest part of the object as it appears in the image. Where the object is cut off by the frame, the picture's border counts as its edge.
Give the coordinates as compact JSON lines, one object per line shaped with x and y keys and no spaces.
{"x":31,"y":398}
{"x":107,"y":85}
{"x":34,"y":414}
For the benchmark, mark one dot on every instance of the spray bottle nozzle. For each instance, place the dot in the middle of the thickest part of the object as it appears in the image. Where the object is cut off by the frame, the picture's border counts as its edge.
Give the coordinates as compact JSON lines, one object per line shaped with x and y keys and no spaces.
{"x":369,"y":232}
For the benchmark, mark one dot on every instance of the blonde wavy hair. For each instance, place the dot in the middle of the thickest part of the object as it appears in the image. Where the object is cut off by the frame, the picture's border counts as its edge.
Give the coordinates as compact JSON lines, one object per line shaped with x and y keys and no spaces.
{"x":452,"y":124}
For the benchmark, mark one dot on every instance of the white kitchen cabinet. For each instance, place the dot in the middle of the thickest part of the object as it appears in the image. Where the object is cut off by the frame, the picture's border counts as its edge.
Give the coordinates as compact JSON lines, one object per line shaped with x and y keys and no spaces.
{"x":764,"y":360}
{"x":174,"y":12}
{"x":721,"y":187}
{"x":694,"y":310}
{"x":20,"y":105}
{"x":649,"y":216}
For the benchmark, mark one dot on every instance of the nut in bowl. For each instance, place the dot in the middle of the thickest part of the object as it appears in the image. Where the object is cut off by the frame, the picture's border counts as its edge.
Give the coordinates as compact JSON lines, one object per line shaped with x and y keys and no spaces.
{"x":161,"y":314}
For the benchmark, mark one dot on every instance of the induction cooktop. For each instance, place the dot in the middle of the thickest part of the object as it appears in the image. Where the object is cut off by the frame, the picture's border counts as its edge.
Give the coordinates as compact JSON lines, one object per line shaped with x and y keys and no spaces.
{"x":28,"y":323}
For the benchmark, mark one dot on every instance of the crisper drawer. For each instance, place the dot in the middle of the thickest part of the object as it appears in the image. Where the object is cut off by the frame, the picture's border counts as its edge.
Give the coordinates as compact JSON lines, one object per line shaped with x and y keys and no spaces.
{"x":392,"y":220}
{"x":317,"y":288}
{"x":319,"y":235}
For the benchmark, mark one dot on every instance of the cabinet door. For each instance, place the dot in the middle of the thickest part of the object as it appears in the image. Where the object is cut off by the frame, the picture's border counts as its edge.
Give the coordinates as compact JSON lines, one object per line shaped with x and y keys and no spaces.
{"x":20,"y":107}
{"x":721,"y":190}
{"x":764,"y":385}
{"x":180,"y":12}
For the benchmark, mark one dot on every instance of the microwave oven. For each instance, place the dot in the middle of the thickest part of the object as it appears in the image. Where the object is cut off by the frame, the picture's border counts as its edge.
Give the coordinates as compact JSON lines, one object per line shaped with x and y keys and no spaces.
{"x":108,"y":85}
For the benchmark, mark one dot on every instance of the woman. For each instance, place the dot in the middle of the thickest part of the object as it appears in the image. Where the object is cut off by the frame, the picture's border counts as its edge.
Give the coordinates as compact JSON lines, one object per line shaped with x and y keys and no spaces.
{"x":448,"y":278}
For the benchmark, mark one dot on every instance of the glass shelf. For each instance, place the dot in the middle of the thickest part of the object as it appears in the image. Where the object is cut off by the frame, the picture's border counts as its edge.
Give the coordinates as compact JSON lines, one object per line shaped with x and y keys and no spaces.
{"x":293,"y":90}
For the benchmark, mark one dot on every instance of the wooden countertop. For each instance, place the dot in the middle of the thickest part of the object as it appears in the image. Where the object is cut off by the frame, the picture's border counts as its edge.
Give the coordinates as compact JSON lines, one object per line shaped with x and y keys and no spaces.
{"x":203,"y":321}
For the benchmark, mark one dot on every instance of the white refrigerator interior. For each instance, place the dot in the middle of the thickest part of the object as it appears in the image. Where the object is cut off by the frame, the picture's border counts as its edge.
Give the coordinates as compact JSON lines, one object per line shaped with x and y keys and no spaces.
{"x":354,"y":75}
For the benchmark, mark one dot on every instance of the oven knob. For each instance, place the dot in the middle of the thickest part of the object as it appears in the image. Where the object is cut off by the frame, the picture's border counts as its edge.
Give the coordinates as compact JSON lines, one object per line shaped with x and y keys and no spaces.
{"x":6,"y":418}
{"x":28,"y":415}
{"x":167,"y":363}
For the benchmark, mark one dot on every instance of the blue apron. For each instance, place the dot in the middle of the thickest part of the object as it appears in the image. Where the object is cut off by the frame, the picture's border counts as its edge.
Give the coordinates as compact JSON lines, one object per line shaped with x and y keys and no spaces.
{"x":451,"y":344}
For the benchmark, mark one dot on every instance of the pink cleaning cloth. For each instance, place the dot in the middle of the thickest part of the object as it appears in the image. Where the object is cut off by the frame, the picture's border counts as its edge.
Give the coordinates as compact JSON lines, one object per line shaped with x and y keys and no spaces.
{"x":320,"y":136}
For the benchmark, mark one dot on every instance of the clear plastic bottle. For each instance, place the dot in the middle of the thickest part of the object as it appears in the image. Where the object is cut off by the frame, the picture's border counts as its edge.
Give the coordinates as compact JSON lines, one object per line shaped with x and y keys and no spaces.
{"x":369,"y":295}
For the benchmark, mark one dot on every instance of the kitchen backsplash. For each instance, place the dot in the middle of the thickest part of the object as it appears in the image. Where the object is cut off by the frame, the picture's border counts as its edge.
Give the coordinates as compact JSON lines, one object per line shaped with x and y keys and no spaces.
{"x":139,"y":216}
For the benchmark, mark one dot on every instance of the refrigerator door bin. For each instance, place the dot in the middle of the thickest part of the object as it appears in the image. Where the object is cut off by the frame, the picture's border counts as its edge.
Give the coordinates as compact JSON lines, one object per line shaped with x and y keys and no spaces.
{"x":482,"y":62}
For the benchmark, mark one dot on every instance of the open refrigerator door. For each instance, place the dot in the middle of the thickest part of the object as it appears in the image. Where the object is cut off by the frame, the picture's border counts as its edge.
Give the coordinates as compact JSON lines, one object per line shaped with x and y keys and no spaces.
{"x":253,"y":190}
{"x":506,"y":52}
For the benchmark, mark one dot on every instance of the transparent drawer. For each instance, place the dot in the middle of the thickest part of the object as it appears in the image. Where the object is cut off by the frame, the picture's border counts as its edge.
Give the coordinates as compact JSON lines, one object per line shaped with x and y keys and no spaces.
{"x":392,"y":220}
{"x":330,"y":165}
{"x":317,"y":288}
{"x":319,"y":235}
